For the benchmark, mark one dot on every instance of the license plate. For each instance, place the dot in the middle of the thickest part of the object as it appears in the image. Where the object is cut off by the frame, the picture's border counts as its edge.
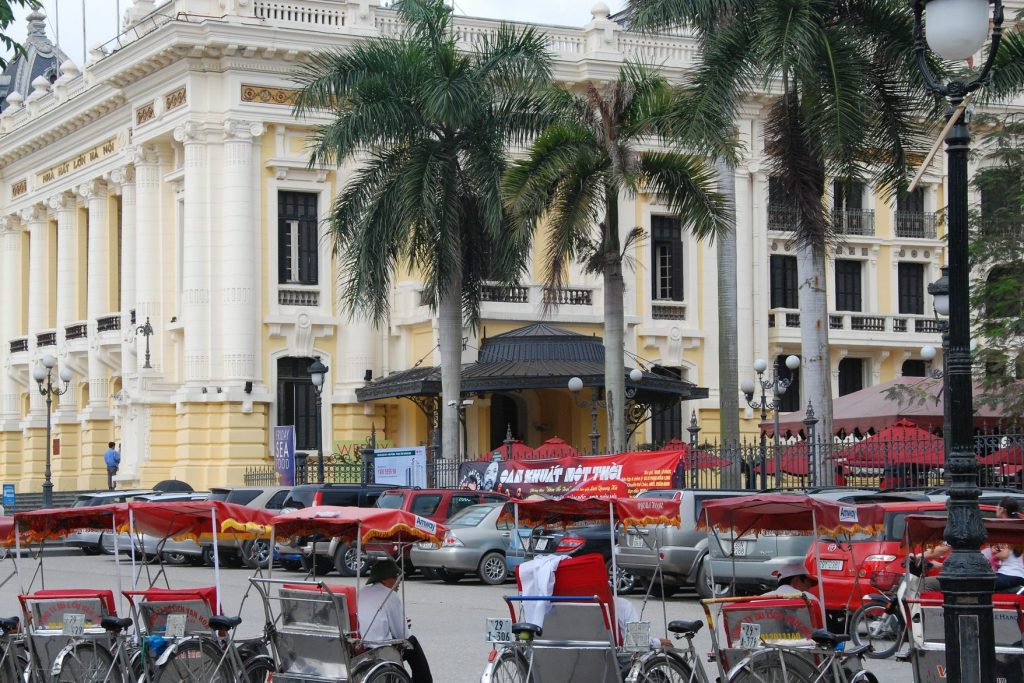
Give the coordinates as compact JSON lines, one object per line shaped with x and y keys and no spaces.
{"x":830,"y":565}
{"x":175,"y":627}
{"x":74,"y":624}
{"x":750,"y":636}
{"x":542,"y":544}
{"x":636,"y":541}
{"x":739,"y":549}
{"x":499,"y":630}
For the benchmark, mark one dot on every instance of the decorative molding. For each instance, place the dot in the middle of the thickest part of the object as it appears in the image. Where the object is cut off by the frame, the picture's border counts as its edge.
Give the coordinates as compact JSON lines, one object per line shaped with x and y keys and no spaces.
{"x":92,"y":189}
{"x":86,"y":158}
{"x":9,"y":223}
{"x":19,"y":188}
{"x":143,"y":154}
{"x":145,"y":114}
{"x":236,"y":129}
{"x":62,"y":201}
{"x":36,"y":212}
{"x":189,"y":132}
{"x":261,"y":94}
{"x":175,"y":98}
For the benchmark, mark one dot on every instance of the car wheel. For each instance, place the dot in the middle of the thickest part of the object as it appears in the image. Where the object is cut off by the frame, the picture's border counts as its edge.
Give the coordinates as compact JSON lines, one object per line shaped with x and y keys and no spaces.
{"x":256,"y":554}
{"x":102,"y":549}
{"x":449,"y":577}
{"x":625,"y":582}
{"x":175,"y":558}
{"x":429,"y":573}
{"x":662,"y":590}
{"x":345,"y":560}
{"x":493,"y":571}
{"x":291,"y":565}
{"x":323,"y":564}
{"x":707,"y":589}
{"x":91,"y":550}
{"x":208,"y":556}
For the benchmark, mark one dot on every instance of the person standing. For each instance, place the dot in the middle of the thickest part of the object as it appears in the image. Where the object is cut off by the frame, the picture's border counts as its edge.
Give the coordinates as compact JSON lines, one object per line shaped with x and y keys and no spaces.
{"x":113,"y":460}
{"x":381,"y":616}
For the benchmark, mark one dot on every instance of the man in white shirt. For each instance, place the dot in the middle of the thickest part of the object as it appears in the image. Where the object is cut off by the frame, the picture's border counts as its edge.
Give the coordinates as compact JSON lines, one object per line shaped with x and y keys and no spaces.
{"x":626,"y":613}
{"x":794,"y":581}
{"x":382,"y":616}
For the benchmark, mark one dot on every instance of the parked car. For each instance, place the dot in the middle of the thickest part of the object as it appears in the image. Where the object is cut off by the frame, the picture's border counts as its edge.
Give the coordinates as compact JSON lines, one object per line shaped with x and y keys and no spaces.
{"x":310,"y":495}
{"x":476,"y":542}
{"x":90,"y":541}
{"x":581,"y":540}
{"x":249,"y":553}
{"x":147,"y":546}
{"x":679,"y":550}
{"x":438,"y":505}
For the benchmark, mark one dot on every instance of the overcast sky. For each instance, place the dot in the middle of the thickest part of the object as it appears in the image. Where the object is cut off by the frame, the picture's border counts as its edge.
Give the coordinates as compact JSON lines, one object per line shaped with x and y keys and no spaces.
{"x":101,"y":17}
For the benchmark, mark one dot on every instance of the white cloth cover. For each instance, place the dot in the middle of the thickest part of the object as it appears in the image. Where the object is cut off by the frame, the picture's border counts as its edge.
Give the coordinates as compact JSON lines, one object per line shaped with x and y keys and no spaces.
{"x":537,"y":577}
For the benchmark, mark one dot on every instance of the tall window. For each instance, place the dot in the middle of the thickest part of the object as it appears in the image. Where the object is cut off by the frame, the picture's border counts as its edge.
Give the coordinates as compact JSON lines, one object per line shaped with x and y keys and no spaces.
{"x":847,"y":196}
{"x":851,"y":375}
{"x":297,"y":237}
{"x":911,"y":202}
{"x":667,"y":422}
{"x":914,"y":368}
{"x":784,"y":288}
{"x":666,"y":259}
{"x":790,"y":401}
{"x":296,"y":401}
{"x":911,"y":288}
{"x":849,"y":293}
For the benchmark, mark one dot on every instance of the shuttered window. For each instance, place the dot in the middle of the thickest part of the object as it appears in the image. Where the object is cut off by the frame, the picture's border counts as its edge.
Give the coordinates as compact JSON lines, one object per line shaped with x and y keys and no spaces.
{"x":298,"y":237}
{"x":911,"y":288}
{"x":296,"y":401}
{"x":849,"y":288}
{"x":851,"y":375}
{"x":784,"y":289}
{"x":666,"y":259}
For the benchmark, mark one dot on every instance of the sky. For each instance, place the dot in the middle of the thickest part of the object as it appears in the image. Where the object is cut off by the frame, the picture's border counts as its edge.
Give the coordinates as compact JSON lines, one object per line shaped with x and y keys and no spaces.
{"x":101,"y":17}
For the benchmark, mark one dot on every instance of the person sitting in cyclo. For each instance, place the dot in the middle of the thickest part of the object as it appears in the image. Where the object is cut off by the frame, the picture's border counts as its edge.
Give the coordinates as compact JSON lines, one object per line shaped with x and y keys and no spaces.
{"x":381,"y":617}
{"x":795,"y":581}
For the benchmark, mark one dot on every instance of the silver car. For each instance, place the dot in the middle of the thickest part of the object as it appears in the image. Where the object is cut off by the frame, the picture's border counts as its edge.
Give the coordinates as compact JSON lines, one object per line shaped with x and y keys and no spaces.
{"x":149,"y":546}
{"x":476,"y":543}
{"x":91,"y":541}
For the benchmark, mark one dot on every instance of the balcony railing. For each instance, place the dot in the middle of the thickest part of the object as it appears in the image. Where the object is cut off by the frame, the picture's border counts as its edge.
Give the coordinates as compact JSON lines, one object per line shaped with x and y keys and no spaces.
{"x":298,"y":297}
{"x":859,"y":322}
{"x":76,"y":331}
{"x":914,"y":225}
{"x":20,"y":344}
{"x":568,"y":296}
{"x":46,"y":338}
{"x":854,"y":222}
{"x":781,"y":218}
{"x":505,"y":294}
{"x":668,"y":311}
{"x":108,"y":323}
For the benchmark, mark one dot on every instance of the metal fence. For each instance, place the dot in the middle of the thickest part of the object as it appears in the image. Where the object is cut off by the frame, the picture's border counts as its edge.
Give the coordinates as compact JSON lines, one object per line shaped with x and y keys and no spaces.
{"x":440,"y":473}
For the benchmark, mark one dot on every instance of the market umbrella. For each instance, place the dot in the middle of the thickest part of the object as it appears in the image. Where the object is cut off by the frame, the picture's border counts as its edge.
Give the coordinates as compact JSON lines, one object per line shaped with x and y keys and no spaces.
{"x":1009,"y":455}
{"x":795,"y":459}
{"x":518,"y":448}
{"x":900,"y":443}
{"x":556,"y":448}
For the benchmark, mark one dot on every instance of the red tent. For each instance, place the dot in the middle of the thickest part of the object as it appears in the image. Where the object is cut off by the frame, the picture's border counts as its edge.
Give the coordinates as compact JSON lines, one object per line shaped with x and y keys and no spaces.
{"x":795,"y":459}
{"x":195,"y":520}
{"x":519,"y":450}
{"x":901,"y":443}
{"x":1010,"y":455}
{"x":701,"y":460}
{"x":48,"y":524}
{"x":556,"y":448}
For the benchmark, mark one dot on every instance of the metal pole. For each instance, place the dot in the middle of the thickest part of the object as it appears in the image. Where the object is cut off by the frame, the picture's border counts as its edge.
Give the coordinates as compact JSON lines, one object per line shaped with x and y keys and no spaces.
{"x":319,"y":437}
{"x":764,"y":443}
{"x":47,"y":481}
{"x":595,"y":435}
{"x":967,"y":579}
{"x":694,"y":430}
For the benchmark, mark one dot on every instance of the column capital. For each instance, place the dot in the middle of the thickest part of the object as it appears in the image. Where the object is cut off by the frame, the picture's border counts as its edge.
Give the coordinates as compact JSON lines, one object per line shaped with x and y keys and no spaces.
{"x":93,"y":189}
{"x":140,"y":155}
{"x":62,"y":201}
{"x":190,"y":132}
{"x":36,"y":212}
{"x":242,"y":130}
{"x":9,"y":223}
{"x":119,"y":177}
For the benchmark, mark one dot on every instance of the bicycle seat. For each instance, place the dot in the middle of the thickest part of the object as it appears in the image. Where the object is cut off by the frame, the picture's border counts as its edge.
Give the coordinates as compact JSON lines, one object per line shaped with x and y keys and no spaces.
{"x":823,"y":636}
{"x":221,"y":622}
{"x":115,"y":624}
{"x":526,"y":631}
{"x":685,"y":628}
{"x":8,"y":624}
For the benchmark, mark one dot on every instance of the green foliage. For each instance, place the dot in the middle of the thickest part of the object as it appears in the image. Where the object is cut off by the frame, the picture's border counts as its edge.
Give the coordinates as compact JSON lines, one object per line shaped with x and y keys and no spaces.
{"x":6,"y":19}
{"x":427,"y":127}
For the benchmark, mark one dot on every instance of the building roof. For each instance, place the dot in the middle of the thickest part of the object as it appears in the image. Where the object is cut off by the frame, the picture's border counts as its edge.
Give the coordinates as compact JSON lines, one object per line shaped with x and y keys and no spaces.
{"x":537,"y":356}
{"x":41,"y":58}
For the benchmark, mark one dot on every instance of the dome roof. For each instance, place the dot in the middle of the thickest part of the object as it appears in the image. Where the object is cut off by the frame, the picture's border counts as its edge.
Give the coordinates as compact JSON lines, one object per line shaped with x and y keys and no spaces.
{"x":41,"y":58}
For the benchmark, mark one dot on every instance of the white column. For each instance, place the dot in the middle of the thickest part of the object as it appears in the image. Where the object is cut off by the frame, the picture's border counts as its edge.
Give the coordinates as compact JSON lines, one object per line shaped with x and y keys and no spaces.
{"x":65,"y":205}
{"x":98,"y":289}
{"x":123,"y":180}
{"x":147,"y":253}
{"x":238,"y":321}
{"x":10,"y":325}
{"x":196,"y":256}
{"x":38,"y":295}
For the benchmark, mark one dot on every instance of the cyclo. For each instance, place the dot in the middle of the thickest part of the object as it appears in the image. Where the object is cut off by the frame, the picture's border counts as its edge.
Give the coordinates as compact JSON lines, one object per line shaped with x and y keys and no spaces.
{"x":313,"y":626}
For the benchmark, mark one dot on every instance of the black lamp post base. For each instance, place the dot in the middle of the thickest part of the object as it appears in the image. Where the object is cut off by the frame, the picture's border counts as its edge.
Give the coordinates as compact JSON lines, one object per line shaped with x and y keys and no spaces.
{"x":48,"y":494}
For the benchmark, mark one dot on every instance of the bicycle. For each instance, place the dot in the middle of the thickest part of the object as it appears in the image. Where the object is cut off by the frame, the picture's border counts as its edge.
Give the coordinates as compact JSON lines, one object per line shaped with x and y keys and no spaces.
{"x":13,"y":662}
{"x":827,"y":662}
{"x":211,"y":659}
{"x":90,"y":661}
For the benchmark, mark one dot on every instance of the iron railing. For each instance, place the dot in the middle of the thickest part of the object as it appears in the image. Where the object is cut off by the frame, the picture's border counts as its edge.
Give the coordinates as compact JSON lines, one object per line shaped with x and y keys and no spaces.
{"x":915,"y":225}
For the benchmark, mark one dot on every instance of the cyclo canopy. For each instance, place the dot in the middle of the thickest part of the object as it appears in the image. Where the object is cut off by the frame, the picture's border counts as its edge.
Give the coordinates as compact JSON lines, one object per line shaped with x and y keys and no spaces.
{"x":926,"y":530}
{"x":195,"y":520}
{"x":368,"y":523}
{"x":49,"y":524}
{"x":797,"y":514}
{"x":565,"y":511}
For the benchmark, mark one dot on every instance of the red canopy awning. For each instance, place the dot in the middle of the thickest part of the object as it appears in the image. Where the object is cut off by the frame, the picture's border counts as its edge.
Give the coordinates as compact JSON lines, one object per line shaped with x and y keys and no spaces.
{"x":795,"y":459}
{"x":194,"y":520}
{"x":555,"y":448}
{"x":518,"y":448}
{"x":870,"y":408}
{"x":1010,"y":455}
{"x":903,"y":442}
{"x":6,"y":532}
{"x":628,"y":511}
{"x":789,"y":513}
{"x":925,"y":530}
{"x":346,"y":522}
{"x":48,"y":524}
{"x":696,"y":459}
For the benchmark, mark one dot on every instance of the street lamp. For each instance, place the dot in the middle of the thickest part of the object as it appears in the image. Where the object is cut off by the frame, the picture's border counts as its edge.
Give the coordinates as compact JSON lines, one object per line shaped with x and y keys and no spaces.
{"x":595,"y":402}
{"x":316,"y":371}
{"x":146,"y":330}
{"x":43,"y":374}
{"x":957,"y":30}
{"x":778,"y":386}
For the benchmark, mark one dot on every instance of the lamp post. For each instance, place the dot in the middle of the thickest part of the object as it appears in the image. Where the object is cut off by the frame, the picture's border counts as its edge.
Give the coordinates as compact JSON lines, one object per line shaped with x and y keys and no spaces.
{"x":146,"y":330}
{"x":317,"y":370}
{"x":595,"y":402}
{"x":940,"y":306}
{"x":43,"y":374}
{"x":957,"y":29}
{"x":778,"y":386}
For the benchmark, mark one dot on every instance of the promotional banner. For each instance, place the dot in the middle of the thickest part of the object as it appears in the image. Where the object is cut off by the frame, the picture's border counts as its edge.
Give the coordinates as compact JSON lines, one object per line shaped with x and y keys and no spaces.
{"x":640,"y":471}
{"x":284,"y":454}
{"x":401,"y":466}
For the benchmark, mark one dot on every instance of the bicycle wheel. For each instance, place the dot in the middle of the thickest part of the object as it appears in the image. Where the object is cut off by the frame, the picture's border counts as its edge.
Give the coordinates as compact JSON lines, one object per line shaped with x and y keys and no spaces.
{"x":12,"y":665}
{"x":88,"y":662}
{"x":259,"y":669}
{"x":387,"y":672}
{"x":663,"y":668}
{"x":873,"y":625}
{"x":196,"y":661}
{"x":510,"y":666}
{"x":773,"y":666}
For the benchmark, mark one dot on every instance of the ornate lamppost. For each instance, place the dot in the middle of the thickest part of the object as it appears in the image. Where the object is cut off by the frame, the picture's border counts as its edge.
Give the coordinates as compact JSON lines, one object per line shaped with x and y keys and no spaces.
{"x":146,"y":330}
{"x":595,"y":402}
{"x":317,"y":370}
{"x":957,"y":30}
{"x":43,"y":374}
{"x":778,"y":386}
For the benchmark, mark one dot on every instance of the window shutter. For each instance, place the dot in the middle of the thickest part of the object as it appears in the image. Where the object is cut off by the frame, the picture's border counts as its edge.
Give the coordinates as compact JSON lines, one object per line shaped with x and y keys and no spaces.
{"x":677,"y":266}
{"x":308,"y":252}
{"x":284,"y":251}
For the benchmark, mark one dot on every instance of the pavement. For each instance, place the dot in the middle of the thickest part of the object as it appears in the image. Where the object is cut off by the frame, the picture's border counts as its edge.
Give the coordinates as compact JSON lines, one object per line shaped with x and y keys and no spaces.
{"x":448,"y":619}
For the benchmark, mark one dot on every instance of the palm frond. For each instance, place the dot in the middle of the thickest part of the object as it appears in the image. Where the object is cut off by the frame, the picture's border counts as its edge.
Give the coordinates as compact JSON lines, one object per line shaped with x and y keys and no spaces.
{"x":1008,"y":71}
{"x":686,"y":184}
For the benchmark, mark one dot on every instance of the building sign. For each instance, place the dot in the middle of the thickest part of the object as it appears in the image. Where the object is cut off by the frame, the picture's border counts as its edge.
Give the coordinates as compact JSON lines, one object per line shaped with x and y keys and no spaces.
{"x":284,"y":454}
{"x":401,"y":466}
{"x":100,"y":151}
{"x":8,"y":500}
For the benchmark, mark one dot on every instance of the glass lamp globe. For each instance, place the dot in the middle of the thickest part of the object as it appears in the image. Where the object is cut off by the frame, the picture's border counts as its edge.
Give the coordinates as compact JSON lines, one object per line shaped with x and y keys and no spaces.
{"x":635,"y":375}
{"x":747,"y":386}
{"x":39,"y":374}
{"x":760,"y":365}
{"x":49,"y":361}
{"x":792,"y":362}
{"x":942,"y":304}
{"x":928,"y":352}
{"x":575,"y":385}
{"x":66,"y":375}
{"x":956,"y":29}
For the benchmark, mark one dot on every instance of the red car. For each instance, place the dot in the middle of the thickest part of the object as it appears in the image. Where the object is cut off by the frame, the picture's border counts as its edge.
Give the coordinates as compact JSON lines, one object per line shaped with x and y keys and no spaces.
{"x":847,"y":564}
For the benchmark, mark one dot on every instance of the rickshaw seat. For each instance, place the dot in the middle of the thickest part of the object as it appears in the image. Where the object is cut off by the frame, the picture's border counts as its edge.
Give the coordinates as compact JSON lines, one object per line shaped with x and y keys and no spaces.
{"x":338,"y":589}
{"x":221,"y":622}
{"x":825,"y":637}
{"x":105,"y":597}
{"x":521,"y":627}
{"x":115,"y":624}
{"x":584,"y":575}
{"x":9,"y":624}
{"x":686,"y":628}
{"x":155,"y":604}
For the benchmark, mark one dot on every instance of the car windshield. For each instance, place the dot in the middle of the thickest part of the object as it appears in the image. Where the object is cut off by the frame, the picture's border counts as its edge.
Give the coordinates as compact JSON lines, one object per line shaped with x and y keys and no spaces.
{"x":242,"y":496}
{"x":391,"y":501}
{"x":471,"y":516}
{"x":300,"y":498}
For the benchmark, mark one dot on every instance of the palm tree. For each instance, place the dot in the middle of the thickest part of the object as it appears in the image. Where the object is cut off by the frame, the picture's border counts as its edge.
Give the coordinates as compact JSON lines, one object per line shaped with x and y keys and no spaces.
{"x":428,"y":126}
{"x":573,"y":177}
{"x":848,"y":103}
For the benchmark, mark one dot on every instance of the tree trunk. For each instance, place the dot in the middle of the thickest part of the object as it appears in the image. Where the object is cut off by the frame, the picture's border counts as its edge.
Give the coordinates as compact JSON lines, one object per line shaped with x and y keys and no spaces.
{"x":449,"y":332}
{"x":614,"y":349}
{"x":728,"y":352}
{"x":816,"y":366}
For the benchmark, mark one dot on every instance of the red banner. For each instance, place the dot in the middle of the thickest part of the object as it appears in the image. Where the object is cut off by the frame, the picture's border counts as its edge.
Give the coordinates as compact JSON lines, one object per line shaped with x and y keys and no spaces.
{"x":640,"y":471}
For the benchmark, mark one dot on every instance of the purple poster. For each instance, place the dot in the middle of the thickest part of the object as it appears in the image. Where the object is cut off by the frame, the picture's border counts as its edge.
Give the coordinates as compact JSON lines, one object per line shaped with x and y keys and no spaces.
{"x":284,"y":454}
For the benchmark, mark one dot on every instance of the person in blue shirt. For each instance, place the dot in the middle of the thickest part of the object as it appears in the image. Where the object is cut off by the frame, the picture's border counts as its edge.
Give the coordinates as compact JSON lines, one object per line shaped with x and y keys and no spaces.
{"x":113,"y":460}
